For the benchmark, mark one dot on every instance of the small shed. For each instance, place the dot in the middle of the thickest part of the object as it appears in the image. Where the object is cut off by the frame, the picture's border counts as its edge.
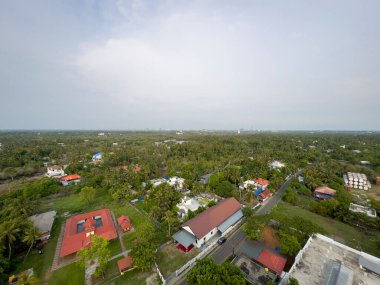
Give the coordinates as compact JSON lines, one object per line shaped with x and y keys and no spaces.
{"x":124,"y":223}
{"x":124,"y":264}
{"x":272,"y":261}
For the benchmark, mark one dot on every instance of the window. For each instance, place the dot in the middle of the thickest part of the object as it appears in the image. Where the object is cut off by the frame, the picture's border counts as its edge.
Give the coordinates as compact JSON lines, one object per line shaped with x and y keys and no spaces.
{"x":204,"y":239}
{"x":211,"y":233}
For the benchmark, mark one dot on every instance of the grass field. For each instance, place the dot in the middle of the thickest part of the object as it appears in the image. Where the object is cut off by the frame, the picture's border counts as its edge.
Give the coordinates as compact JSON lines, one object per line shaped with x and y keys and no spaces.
{"x":337,"y":230}
{"x":170,"y":258}
{"x":71,"y":274}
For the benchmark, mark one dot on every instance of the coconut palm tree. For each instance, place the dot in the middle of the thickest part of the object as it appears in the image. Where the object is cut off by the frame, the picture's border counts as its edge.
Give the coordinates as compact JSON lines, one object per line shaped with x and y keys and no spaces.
{"x":170,"y":219}
{"x":31,"y":235}
{"x":8,"y":234}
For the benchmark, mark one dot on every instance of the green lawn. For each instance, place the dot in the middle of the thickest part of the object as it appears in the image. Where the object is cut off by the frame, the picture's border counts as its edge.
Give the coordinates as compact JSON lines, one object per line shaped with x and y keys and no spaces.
{"x":170,"y":258}
{"x":71,"y":274}
{"x":114,"y":247}
{"x":74,"y":204}
{"x":131,"y":277}
{"x":337,"y":230}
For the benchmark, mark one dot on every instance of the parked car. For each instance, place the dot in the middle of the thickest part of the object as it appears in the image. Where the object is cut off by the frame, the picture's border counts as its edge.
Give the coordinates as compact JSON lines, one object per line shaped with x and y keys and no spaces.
{"x":222,"y":240}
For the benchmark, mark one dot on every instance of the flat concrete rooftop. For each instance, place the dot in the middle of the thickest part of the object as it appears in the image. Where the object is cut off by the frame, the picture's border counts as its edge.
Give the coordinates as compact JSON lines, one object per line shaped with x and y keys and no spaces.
{"x":320,"y":253}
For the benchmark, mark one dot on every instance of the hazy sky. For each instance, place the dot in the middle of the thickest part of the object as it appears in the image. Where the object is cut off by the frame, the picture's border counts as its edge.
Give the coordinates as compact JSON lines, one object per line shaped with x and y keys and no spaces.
{"x":190,"y":64}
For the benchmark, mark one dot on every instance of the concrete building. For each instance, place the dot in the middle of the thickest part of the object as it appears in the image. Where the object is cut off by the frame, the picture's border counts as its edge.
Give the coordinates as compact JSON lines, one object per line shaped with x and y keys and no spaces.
{"x":55,"y":171}
{"x":176,"y":182}
{"x":327,"y":262}
{"x":187,"y":204}
{"x":370,"y":212}
{"x":276,"y":164}
{"x":43,"y":223}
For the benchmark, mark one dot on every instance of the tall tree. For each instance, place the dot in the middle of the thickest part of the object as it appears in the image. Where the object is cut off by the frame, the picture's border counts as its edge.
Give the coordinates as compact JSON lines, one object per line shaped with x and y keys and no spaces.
{"x":206,"y":271}
{"x":8,"y":234}
{"x":30,"y":237}
{"x":87,"y":194}
{"x":144,"y":247}
{"x":99,"y":250}
{"x":170,"y":219}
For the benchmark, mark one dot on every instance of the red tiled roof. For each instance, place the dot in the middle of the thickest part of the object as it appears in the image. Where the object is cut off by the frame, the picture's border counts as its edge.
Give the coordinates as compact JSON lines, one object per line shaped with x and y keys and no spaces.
{"x":124,"y":222}
{"x":124,"y":263}
{"x":325,"y":190}
{"x":261,"y":181}
{"x":212,"y":217}
{"x":55,"y":167}
{"x":73,"y":241}
{"x":272,"y":261}
{"x":70,"y":177}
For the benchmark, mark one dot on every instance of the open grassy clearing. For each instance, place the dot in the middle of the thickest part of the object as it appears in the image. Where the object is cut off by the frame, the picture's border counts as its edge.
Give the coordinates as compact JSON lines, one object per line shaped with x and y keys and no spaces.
{"x":72,"y":272}
{"x":337,"y":230}
{"x":113,"y":276}
{"x":170,"y":258}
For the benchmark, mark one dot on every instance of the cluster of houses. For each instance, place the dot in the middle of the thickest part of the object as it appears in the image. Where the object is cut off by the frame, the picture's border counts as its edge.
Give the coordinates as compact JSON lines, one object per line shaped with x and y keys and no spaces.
{"x":58,"y":172}
{"x":258,"y":186}
{"x":176,"y":182}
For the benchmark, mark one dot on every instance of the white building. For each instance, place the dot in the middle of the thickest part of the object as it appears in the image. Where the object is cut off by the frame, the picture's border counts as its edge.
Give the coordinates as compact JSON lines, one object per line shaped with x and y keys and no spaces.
{"x":211,"y":222}
{"x":277,"y":164}
{"x":55,"y":171}
{"x":158,"y":181}
{"x":97,"y":157}
{"x":370,"y":212}
{"x":326,"y":261}
{"x":176,"y":182}
{"x":187,"y":204}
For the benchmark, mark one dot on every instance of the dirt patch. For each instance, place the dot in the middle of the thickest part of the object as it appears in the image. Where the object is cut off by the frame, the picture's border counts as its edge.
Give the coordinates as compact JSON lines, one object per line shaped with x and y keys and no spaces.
{"x":270,"y":238}
{"x":152,"y":280}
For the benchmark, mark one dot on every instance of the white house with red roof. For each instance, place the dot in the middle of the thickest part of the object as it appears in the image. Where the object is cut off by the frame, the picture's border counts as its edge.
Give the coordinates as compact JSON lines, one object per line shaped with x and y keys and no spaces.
{"x":55,"y":171}
{"x":256,"y":183}
{"x":213,"y":221}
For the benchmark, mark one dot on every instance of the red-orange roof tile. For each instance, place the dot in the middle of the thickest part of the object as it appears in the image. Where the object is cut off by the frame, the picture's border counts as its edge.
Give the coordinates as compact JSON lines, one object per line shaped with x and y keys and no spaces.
{"x":124,"y":222}
{"x":70,"y":177}
{"x":261,"y":181}
{"x":74,"y":241}
{"x":124,"y":263}
{"x":272,"y":261}
{"x":325,"y":190}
